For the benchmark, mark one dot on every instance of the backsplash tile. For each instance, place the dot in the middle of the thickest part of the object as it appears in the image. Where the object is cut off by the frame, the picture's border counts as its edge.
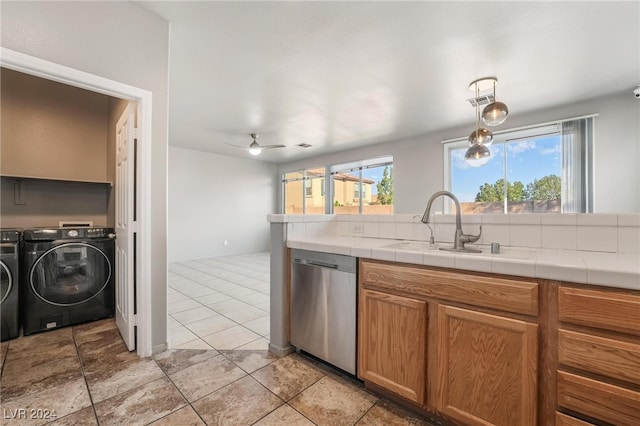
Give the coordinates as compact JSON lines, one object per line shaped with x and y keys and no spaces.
{"x":585,"y":232}
{"x":558,"y":237}
{"x":495,"y":234}
{"x":525,"y":235}
{"x":597,"y":219}
{"x":597,"y":238}
{"x":629,"y":239}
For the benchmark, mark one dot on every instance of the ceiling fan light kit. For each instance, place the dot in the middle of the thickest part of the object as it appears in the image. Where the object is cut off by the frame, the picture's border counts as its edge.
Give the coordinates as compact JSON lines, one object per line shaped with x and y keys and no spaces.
{"x":493,"y":114}
{"x":255,"y":148}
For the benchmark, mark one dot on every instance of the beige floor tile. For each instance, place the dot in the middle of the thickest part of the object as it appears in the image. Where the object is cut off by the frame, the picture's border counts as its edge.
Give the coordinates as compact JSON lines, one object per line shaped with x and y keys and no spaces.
{"x":246,"y":314}
{"x":331,"y":401}
{"x":193,"y":315}
{"x":183,"y":417}
{"x":176,"y":297}
{"x":31,"y":374}
{"x":122,"y":377}
{"x":84,"y":417}
{"x":194,"y":344}
{"x":230,"y":338}
{"x":140,"y":406}
{"x":212,"y":298}
{"x":387,"y":413}
{"x":288,"y":376}
{"x":284,"y":415}
{"x":211,"y":325}
{"x":250,"y":360}
{"x":240,"y":403}
{"x":172,"y":361}
{"x":260,"y":344}
{"x":239,"y":291}
{"x":64,"y":399}
{"x":205,"y":377}
{"x":83,"y":332}
{"x":254,"y":298}
{"x":180,"y":335}
{"x":196,"y":290}
{"x":228,"y":306}
{"x":264,"y":306}
{"x":185,"y":305}
{"x":103,"y":351}
{"x":172,"y":322}
{"x":35,"y":344}
{"x":259,"y":325}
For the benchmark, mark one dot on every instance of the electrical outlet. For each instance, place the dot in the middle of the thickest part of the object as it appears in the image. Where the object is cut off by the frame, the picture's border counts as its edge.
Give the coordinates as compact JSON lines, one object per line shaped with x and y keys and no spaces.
{"x":358,"y":228}
{"x":225,"y":243}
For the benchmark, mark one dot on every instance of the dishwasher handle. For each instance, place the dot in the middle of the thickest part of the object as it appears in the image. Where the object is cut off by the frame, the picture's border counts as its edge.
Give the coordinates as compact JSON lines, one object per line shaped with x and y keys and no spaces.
{"x":316,"y":263}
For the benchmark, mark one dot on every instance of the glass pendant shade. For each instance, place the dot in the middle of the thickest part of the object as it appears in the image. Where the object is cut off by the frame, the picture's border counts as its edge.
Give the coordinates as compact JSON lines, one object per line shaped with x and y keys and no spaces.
{"x":477,"y":155}
{"x":495,"y":113}
{"x":481,"y":136}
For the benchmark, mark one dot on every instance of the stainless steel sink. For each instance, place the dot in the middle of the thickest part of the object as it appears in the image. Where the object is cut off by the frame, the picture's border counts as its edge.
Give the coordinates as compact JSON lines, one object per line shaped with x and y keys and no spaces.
{"x":505,"y":252}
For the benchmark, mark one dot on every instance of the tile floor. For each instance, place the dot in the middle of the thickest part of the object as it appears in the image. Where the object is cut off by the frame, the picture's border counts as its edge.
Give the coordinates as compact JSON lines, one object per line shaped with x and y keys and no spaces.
{"x":84,"y":375}
{"x":218,"y":371}
{"x":219,"y":303}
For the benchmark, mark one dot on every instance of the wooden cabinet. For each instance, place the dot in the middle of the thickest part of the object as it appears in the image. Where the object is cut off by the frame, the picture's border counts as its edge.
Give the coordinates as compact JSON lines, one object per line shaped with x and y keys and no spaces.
{"x":462,"y":345}
{"x":599,"y":354}
{"x":487,"y":368}
{"x":392,"y":343}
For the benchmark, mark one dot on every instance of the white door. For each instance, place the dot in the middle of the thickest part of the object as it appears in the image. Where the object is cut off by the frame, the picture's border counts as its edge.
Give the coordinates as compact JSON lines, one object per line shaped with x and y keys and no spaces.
{"x":125,"y":225}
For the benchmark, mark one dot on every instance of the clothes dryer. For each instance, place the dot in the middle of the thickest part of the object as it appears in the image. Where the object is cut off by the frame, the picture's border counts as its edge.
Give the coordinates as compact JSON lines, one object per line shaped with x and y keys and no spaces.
{"x":68,"y":277}
{"x":9,"y":286}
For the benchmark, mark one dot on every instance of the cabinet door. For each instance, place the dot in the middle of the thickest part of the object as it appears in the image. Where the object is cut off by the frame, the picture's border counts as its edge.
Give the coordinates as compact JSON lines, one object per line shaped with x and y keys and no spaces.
{"x":392,"y":343}
{"x":487,"y":368}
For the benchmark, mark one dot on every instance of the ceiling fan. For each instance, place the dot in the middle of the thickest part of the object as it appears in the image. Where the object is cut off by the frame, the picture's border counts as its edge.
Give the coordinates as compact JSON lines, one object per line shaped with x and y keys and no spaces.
{"x":255,"y":148}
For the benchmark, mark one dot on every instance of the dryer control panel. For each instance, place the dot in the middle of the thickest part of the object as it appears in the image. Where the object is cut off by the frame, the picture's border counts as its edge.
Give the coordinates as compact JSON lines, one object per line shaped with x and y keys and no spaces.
{"x":51,"y":234}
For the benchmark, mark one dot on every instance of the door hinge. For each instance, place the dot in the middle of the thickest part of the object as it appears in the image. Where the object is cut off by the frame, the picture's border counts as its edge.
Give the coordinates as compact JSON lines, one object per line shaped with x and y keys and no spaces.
{"x":135,"y":133}
{"x":134,"y":226}
{"x":135,"y":320}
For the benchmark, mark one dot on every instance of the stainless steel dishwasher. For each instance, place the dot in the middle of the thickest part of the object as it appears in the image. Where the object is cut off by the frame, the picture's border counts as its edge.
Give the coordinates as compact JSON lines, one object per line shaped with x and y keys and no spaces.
{"x":323,"y":306}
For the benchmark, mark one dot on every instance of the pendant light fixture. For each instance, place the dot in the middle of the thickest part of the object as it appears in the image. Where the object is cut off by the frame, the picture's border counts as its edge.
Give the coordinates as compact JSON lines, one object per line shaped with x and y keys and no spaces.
{"x":493,"y":114}
{"x":496,"y":112}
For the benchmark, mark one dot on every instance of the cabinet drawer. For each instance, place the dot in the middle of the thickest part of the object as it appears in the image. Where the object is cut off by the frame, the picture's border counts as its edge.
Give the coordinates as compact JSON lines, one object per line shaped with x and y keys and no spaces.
{"x":602,"y":401}
{"x":609,"y":357}
{"x":608,"y":310}
{"x":510,"y":295}
{"x":564,"y":420}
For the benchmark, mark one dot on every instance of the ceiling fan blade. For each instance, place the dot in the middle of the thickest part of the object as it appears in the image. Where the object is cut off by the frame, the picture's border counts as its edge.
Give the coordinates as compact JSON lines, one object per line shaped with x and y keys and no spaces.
{"x":237,"y":146}
{"x":272,"y":146}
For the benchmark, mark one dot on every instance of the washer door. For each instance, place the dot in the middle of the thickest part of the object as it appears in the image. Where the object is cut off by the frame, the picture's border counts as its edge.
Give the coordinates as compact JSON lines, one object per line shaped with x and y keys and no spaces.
{"x":70,"y":274}
{"x":6,"y":282}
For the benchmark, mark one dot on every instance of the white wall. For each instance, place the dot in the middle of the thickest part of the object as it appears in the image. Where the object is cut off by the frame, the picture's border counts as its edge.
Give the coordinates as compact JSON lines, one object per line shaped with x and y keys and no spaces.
{"x":213,"y":198}
{"x":121,"y":42}
{"x":418,"y":161}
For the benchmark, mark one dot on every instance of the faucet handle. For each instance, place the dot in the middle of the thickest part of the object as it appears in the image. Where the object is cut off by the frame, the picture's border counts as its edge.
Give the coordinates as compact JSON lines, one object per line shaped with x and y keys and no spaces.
{"x":468,"y":238}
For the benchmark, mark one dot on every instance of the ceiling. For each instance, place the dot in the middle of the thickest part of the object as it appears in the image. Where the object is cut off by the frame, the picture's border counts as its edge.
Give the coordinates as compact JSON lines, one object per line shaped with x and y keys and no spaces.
{"x":339,"y":75}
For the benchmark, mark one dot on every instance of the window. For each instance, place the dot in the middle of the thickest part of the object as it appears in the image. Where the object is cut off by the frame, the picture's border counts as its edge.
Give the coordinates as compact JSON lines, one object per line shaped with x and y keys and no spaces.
{"x":541,"y":169}
{"x":357,"y":189}
{"x":363,"y":187}
{"x":303,"y":191}
{"x":308,"y":189}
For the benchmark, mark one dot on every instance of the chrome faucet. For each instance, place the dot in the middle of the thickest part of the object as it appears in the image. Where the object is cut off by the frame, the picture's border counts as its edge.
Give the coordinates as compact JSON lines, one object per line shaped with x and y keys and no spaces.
{"x":460,"y":239}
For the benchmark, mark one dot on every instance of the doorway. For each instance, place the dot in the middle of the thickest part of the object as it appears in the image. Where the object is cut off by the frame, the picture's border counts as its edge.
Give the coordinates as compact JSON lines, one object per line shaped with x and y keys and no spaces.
{"x":141,"y":274}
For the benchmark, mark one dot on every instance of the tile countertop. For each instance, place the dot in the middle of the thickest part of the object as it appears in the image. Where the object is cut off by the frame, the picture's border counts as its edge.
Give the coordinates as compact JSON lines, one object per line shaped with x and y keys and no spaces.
{"x":596,"y":268}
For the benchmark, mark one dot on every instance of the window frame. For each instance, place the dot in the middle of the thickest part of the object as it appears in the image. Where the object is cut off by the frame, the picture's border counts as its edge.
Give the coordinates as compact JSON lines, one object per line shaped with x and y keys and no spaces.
{"x":511,"y":135}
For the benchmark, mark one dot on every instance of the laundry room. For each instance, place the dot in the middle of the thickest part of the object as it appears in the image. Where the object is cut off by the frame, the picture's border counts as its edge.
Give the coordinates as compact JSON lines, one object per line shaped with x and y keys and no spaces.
{"x":57,"y":164}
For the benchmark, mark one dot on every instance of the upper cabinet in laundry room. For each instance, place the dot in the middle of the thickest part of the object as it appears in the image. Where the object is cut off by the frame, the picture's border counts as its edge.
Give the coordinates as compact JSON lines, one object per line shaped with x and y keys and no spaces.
{"x":51,"y":130}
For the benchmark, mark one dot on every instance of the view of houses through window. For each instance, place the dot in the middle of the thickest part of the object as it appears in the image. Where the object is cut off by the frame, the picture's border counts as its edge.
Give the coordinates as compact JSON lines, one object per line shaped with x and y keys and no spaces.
{"x":362,"y":187}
